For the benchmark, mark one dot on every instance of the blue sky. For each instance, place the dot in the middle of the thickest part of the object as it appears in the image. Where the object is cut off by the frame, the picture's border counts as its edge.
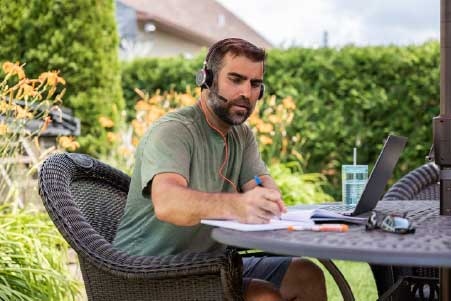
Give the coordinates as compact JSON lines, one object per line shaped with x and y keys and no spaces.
{"x":360,"y":22}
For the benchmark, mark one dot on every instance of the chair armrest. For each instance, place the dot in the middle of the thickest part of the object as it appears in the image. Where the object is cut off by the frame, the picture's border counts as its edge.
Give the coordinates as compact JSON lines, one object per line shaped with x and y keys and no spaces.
{"x":120,"y":264}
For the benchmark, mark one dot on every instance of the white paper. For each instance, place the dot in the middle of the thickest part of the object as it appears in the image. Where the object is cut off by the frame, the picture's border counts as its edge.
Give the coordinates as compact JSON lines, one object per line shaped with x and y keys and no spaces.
{"x":274,"y":224}
{"x":298,"y":215}
{"x":294,"y":217}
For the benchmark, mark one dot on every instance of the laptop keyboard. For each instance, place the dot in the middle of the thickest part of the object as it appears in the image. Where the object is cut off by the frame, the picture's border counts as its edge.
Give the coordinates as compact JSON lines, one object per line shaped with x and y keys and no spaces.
{"x":340,"y":208}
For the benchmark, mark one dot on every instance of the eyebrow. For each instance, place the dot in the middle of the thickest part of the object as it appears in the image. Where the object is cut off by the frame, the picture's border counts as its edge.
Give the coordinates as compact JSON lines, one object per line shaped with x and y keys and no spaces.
{"x":242,"y":77}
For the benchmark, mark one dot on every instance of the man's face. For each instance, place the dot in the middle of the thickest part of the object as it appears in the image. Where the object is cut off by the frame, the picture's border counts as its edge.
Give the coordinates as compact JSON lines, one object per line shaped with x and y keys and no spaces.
{"x":239,"y":82}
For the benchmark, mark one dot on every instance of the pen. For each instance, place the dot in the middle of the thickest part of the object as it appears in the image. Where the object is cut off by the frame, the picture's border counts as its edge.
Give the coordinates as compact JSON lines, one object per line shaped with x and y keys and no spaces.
{"x":259,"y":182}
{"x":321,"y":228}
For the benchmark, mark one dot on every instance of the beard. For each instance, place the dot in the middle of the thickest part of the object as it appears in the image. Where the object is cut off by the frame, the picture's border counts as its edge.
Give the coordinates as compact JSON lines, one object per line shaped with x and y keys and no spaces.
{"x":225,"y":111}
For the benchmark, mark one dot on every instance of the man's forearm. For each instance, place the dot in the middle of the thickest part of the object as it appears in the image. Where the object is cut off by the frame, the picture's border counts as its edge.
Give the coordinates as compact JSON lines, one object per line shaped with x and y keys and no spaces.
{"x":186,"y":207}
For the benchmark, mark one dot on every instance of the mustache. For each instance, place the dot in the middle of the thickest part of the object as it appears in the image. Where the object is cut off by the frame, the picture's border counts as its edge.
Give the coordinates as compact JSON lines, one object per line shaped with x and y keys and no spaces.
{"x":241,"y":101}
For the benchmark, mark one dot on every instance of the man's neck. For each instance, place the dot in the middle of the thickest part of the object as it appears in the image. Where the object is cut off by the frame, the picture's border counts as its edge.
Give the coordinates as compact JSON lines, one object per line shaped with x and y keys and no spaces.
{"x":212,"y":119}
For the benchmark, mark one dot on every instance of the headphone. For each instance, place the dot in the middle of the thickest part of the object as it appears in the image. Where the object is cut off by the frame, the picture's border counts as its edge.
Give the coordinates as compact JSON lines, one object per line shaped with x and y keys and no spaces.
{"x":205,"y":76}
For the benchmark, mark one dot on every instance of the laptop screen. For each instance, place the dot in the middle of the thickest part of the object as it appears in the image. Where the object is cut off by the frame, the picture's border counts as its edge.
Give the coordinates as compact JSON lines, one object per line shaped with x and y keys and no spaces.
{"x":381,"y":173}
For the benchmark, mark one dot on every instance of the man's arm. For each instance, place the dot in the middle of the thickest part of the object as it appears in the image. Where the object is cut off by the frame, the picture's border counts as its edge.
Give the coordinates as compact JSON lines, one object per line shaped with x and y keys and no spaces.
{"x":175,"y":203}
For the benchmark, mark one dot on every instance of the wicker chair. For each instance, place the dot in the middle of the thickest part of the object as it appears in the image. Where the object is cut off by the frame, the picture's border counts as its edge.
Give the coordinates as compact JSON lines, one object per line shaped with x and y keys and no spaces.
{"x":410,"y":283}
{"x":85,"y":198}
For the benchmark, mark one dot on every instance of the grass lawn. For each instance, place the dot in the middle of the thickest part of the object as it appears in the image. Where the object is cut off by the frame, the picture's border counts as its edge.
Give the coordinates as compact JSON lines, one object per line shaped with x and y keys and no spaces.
{"x":358,"y":275}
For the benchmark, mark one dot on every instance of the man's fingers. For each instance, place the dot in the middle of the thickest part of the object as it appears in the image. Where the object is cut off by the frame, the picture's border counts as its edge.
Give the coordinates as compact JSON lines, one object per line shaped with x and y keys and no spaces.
{"x":258,"y":219}
{"x":282,"y":207}
{"x":272,"y":195}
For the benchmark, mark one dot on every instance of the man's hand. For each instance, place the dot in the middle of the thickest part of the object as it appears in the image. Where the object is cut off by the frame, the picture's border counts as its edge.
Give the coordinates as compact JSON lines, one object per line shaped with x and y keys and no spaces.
{"x":259,"y":205}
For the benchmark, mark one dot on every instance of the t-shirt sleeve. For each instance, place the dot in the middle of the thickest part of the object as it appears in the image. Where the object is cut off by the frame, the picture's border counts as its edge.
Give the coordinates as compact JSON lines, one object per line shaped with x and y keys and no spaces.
{"x":167,"y":149}
{"x":252,"y":164}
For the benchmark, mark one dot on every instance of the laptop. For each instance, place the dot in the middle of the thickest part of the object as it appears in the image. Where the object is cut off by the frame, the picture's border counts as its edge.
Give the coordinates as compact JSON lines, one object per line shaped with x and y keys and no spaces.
{"x":374,"y":188}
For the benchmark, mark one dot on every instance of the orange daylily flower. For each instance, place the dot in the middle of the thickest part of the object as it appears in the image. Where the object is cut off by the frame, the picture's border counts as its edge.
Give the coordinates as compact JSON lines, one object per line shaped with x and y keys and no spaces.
{"x":274,"y":119}
{"x":288,"y":103}
{"x":68,"y":142}
{"x":142,"y":106}
{"x":47,"y":121}
{"x":3,"y":129}
{"x":265,"y":139}
{"x":52,"y":78}
{"x":13,"y":69}
{"x":22,"y":113}
{"x":187,"y":100}
{"x":112,"y":137}
{"x":106,"y":122}
{"x":265,"y":128}
{"x":138,"y":127}
{"x":125,"y":151}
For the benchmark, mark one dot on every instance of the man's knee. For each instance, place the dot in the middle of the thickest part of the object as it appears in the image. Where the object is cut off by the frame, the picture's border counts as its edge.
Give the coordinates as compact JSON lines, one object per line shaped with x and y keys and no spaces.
{"x":260,"y":290}
{"x":306,"y":269}
{"x":304,"y":280}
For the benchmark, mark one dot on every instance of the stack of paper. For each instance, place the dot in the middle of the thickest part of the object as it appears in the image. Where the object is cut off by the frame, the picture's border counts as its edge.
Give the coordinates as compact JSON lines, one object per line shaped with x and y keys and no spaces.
{"x":274,"y":224}
{"x":294,"y":217}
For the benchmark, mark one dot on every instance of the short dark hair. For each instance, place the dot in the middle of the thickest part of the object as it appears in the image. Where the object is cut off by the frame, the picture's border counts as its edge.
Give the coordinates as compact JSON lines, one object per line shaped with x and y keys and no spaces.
{"x":236,"y":47}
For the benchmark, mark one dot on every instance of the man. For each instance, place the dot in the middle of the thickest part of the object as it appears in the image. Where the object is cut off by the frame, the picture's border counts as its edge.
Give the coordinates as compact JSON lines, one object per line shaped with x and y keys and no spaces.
{"x":199,"y":163}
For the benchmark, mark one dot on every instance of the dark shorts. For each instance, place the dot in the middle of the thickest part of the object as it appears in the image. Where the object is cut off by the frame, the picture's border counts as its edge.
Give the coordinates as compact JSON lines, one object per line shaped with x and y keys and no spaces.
{"x":271,"y":269}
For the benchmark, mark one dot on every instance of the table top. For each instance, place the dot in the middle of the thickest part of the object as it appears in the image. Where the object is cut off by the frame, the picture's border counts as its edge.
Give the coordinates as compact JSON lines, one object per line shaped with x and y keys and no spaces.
{"x":430,"y":245}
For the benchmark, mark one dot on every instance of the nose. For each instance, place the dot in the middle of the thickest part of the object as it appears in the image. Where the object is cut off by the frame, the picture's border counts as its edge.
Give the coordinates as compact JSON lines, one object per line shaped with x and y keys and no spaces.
{"x":246,"y":89}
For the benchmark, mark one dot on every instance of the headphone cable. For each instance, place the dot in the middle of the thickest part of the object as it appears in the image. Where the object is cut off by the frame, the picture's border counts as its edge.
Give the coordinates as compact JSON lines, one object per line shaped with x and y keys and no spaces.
{"x":225,"y":143}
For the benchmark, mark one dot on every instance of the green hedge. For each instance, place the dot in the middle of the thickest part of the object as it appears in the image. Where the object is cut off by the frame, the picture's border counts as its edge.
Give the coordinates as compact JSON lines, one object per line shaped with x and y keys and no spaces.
{"x":343,"y":96}
{"x":152,"y":74}
{"x":359,"y":94}
{"x":78,"y":38}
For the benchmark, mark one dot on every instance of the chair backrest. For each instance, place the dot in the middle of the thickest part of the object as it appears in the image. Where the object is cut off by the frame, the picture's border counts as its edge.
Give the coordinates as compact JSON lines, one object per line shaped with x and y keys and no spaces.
{"x":421,"y":183}
{"x":83,"y":195}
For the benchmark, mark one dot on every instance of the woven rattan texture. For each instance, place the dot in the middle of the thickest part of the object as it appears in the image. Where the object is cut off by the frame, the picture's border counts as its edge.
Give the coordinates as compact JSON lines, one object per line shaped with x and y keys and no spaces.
{"x":419,"y":184}
{"x":85,"y":198}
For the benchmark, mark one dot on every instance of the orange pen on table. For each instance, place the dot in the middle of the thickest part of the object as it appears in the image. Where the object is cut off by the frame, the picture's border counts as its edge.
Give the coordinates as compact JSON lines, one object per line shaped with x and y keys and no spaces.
{"x":321,"y":228}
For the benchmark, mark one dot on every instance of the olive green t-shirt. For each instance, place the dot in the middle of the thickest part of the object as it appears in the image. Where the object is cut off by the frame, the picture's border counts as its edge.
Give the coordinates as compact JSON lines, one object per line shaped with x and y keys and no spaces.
{"x":182,"y":142}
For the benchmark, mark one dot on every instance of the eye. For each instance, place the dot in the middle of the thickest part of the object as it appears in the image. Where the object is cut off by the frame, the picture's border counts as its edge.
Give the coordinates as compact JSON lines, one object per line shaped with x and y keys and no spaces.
{"x":235,"y":80}
{"x":255,"y":84}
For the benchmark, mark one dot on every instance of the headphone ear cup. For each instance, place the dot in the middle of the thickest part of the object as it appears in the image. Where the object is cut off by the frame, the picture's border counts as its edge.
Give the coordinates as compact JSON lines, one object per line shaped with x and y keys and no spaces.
{"x":204,"y":78}
{"x":200,"y":78}
{"x":208,"y":78}
{"x":262,"y":91}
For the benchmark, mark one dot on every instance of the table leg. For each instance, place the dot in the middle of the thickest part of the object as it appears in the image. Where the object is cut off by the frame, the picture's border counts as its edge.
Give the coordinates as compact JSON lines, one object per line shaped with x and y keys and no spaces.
{"x":445,"y":281}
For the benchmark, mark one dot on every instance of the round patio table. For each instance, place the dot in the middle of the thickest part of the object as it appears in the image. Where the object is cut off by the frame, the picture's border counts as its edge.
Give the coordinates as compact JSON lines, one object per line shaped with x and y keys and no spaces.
{"x":430,"y":245}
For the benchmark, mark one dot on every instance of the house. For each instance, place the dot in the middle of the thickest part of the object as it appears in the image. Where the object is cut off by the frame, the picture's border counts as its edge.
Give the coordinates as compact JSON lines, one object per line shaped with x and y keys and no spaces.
{"x":177,"y":27}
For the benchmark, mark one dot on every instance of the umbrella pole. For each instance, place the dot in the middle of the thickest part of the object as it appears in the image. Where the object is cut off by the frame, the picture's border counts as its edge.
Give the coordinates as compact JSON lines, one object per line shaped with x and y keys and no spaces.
{"x":442,"y":131}
{"x":442,"y":123}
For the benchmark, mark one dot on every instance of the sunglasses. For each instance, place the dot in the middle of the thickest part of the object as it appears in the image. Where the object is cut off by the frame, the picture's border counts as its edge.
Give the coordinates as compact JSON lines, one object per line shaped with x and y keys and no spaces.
{"x":389,"y":223}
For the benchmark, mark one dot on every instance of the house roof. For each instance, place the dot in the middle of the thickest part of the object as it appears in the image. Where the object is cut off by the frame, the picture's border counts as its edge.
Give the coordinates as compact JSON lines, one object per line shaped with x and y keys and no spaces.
{"x":201,"y":21}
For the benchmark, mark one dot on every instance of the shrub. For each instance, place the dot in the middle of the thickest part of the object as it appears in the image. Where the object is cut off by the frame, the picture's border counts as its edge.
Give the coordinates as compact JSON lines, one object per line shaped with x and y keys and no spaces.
{"x":27,"y":107}
{"x":32,"y":253}
{"x":79,"y":39}
{"x":298,"y":187}
{"x":358,"y":96}
{"x":33,"y":258}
